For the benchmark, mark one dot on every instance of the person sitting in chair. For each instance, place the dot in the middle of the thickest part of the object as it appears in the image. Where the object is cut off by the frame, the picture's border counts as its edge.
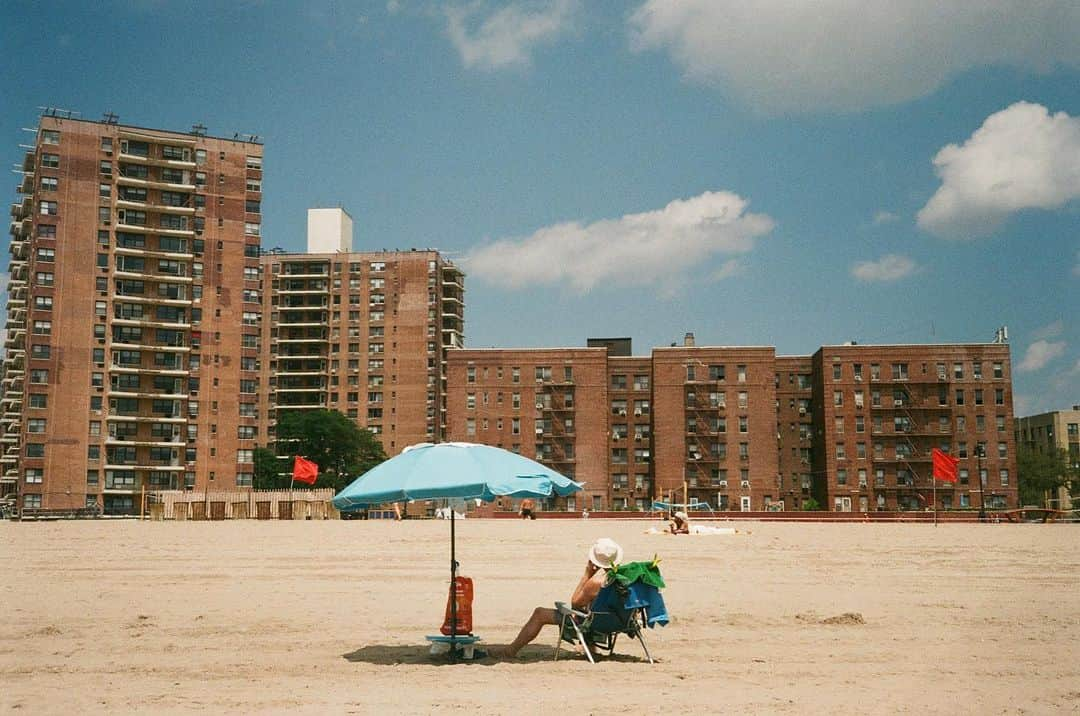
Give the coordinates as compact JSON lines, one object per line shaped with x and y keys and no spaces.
{"x":603,"y":555}
{"x":680,"y":524}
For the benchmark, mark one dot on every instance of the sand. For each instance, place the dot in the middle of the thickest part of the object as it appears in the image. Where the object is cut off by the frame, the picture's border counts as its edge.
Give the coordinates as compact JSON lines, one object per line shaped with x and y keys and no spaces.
{"x":329,"y":617}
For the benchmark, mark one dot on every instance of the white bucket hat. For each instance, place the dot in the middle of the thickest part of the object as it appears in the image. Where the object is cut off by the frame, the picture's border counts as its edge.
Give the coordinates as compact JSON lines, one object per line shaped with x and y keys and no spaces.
{"x":605,"y":552}
{"x":682,"y":516}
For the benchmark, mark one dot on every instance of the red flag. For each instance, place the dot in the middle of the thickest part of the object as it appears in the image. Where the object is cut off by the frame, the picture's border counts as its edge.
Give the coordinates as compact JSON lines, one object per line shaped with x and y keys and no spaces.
{"x":945,"y":465}
{"x":304,"y":470}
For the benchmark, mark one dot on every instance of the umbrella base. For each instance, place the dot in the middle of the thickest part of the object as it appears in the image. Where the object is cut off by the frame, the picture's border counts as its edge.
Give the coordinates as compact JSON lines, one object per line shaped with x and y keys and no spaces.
{"x":464,"y":646}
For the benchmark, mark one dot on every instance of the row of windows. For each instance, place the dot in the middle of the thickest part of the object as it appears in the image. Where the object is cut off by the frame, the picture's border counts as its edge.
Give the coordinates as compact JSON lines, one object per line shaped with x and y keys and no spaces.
{"x":905,"y":450}
{"x":941,"y":370}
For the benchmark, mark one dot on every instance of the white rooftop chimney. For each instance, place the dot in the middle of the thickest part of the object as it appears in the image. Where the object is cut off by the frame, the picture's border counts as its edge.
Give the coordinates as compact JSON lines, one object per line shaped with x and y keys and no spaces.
{"x":329,"y":231}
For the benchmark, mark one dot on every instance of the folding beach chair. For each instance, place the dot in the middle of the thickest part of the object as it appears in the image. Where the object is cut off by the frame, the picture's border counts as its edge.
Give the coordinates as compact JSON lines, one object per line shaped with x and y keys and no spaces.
{"x":624,"y":606}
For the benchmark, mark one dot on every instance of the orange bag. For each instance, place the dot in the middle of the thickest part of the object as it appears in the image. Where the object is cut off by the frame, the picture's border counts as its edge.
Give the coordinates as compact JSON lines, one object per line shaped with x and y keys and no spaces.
{"x":462,"y":591}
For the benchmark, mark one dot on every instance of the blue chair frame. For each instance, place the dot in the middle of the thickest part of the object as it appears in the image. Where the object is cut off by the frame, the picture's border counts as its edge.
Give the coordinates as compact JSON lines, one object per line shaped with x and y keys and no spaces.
{"x":616,"y":610}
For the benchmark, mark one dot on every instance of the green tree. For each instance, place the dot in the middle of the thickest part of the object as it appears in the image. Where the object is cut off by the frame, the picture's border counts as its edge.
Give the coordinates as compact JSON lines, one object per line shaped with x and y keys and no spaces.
{"x":267,"y":467}
{"x":810,"y":505}
{"x":340,"y":448}
{"x":1039,"y":472}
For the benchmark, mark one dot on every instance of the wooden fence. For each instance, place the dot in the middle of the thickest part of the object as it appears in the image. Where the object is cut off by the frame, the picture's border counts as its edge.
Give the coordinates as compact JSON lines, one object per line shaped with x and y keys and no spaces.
{"x":247,"y":505}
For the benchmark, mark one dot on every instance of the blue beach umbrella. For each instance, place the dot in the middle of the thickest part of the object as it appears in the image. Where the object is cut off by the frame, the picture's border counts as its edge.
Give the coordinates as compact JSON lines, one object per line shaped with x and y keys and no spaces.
{"x":453,"y":471}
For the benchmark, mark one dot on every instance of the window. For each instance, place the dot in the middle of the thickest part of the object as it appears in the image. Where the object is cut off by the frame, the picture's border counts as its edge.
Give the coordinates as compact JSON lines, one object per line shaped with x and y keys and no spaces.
{"x":35,"y":449}
{"x":43,"y":303}
{"x":35,"y":425}
{"x":50,"y":161}
{"x":47,"y":255}
{"x":50,"y":136}
{"x":245,"y":456}
{"x":838,"y":398}
{"x":42,"y":328}
{"x":1003,"y":450}
{"x":44,"y":278}
{"x":31,"y":501}
{"x":999,"y":396}
{"x":741,"y":373}
{"x":245,"y":432}
{"x":999,"y":369}
{"x":49,"y":208}
{"x":959,"y":397}
{"x":251,"y":229}
{"x":618,"y":382}
{"x":840,"y":453}
{"x":744,"y":399}
{"x":836,"y":371}
{"x":253,"y":162}
{"x":899,"y":371}
{"x":978,"y":396}
{"x":38,"y":400}
{"x":49,"y":183}
{"x":104,"y":191}
{"x":841,"y":477}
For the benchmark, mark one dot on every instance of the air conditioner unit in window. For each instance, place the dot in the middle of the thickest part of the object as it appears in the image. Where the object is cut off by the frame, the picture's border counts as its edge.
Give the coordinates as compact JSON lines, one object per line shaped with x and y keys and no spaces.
{"x":744,"y":483}
{"x":802,"y":411}
{"x":637,"y":413}
{"x":539,"y":406}
{"x":722,"y":483}
{"x":622,"y":411}
{"x":637,"y":438}
{"x":539,"y":431}
{"x":898,"y":403}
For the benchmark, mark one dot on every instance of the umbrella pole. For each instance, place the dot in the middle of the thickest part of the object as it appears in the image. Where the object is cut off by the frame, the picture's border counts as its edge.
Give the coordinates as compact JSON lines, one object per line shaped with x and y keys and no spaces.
{"x":453,"y":587}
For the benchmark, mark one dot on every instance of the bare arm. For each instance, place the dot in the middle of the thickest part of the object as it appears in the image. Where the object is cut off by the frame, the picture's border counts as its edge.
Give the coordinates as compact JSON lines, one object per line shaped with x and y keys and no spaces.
{"x":588,"y":587}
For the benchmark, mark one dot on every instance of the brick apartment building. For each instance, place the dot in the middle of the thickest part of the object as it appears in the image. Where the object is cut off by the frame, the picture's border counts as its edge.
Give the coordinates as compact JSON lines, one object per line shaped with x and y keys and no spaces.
{"x":740,"y":428}
{"x":880,"y":410}
{"x":363,"y":333}
{"x":133,"y":308}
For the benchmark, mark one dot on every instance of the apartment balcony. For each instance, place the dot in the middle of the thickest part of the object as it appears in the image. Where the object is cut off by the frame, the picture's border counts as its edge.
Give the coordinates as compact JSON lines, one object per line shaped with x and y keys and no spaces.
{"x":28,"y":161}
{"x":156,"y":253}
{"x":19,"y":249}
{"x":145,"y":275}
{"x":26,"y":186}
{"x":300,"y":389}
{"x":304,"y":291}
{"x":301,"y":406}
{"x":304,"y":274}
{"x":312,"y":307}
{"x":156,"y":161}
{"x":150,"y":370}
{"x":157,"y":347}
{"x":143,"y":298}
{"x":172,"y":466}
{"x":155,"y":207}
{"x":301,"y":324}
{"x":123,"y":440}
{"x":148,"y":394}
{"x":142,"y":418}
{"x":149,"y":323}
{"x":152,"y":184}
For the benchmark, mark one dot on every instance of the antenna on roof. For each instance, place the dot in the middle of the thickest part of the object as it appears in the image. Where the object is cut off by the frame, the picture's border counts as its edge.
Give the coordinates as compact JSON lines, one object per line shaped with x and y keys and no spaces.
{"x":58,"y":112}
{"x":249,"y":138}
{"x":1001,"y":335}
{"x":199,"y":130}
{"x":110,"y":118}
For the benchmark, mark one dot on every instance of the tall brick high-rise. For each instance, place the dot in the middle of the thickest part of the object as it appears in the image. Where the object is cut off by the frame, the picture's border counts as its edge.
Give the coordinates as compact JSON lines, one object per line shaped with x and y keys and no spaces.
{"x":363,"y":333}
{"x":133,"y":317}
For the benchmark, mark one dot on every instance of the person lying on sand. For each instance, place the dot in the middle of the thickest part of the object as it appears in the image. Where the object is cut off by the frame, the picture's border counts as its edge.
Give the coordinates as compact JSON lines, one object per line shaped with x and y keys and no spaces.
{"x":604,"y":554}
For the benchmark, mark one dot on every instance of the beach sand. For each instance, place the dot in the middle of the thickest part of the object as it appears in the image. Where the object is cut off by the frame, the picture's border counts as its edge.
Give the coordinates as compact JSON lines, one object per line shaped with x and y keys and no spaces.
{"x":330,"y":617}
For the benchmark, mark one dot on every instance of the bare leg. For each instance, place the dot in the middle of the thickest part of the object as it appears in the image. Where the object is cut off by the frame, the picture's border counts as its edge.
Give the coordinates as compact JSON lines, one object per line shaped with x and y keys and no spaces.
{"x":540,"y":617}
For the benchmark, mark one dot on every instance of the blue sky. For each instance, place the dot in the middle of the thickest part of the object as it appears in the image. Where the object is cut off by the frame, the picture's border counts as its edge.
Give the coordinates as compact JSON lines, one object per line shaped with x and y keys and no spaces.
{"x":757,"y":173}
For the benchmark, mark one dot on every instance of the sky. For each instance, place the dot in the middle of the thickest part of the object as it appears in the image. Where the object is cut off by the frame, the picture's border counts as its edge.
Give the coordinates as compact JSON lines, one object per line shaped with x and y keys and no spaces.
{"x":769,"y":173}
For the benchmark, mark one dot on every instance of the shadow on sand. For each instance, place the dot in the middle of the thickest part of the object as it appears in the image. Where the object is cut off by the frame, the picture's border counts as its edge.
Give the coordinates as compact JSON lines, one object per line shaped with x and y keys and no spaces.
{"x":384,"y":655}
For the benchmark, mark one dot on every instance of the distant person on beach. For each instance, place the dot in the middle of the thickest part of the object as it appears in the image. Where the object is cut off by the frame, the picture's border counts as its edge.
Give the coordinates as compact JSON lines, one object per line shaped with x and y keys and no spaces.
{"x":526,"y":509}
{"x":603,"y":555}
{"x":679,"y":524}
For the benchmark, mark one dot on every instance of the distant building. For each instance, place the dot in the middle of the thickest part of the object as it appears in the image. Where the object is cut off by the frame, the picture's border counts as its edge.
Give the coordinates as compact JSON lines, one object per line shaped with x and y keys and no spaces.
{"x":739,"y":428}
{"x":363,"y":333}
{"x":1055,"y":430}
{"x":133,"y":315}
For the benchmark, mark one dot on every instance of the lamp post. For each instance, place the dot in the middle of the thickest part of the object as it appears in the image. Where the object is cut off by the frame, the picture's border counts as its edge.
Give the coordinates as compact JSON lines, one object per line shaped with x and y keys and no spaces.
{"x":980,"y":453}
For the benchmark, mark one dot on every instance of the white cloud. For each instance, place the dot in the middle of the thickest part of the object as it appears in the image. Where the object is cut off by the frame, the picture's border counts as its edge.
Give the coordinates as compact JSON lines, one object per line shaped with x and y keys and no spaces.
{"x":1039,"y":354}
{"x":652,"y":248}
{"x":1049,"y":330}
{"x":1020,"y":158}
{"x":890,"y":267}
{"x":507,"y":36}
{"x":852,"y":54}
{"x":731,"y":267}
{"x":884,"y":217}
